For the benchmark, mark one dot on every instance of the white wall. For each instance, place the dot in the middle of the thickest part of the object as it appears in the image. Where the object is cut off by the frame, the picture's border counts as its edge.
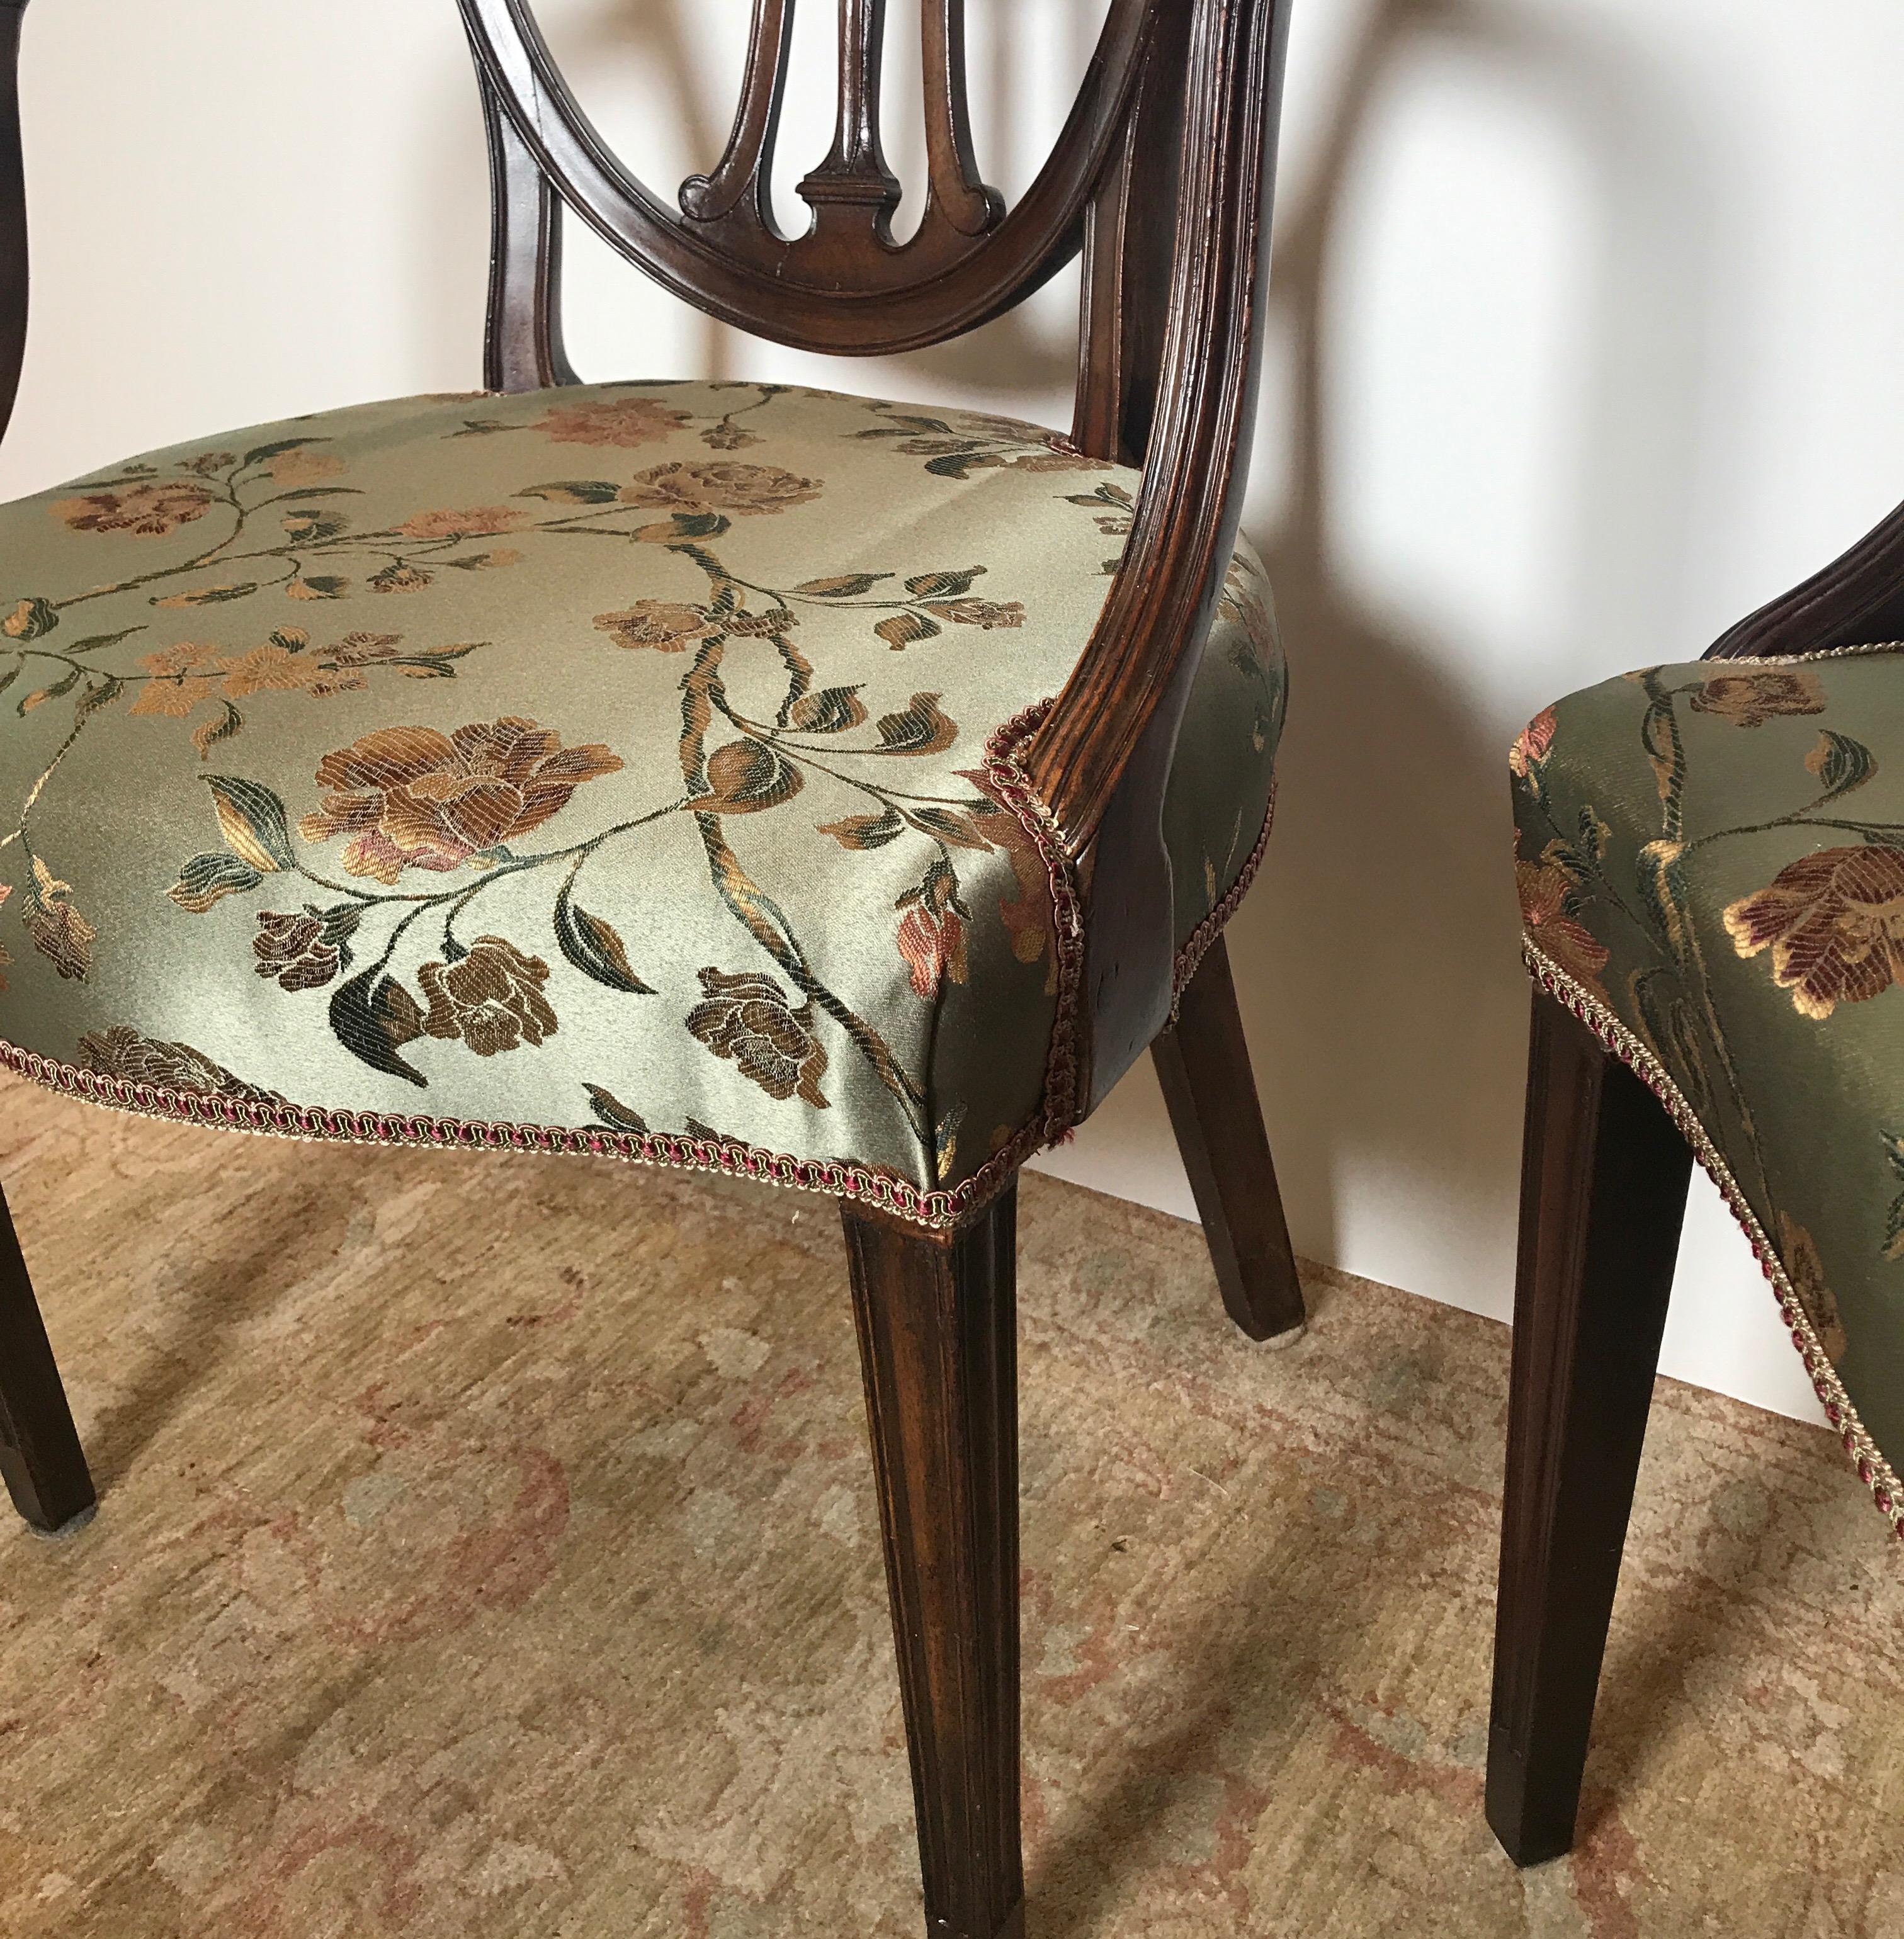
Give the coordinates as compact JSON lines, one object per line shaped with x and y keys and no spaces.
{"x":1585,"y":345}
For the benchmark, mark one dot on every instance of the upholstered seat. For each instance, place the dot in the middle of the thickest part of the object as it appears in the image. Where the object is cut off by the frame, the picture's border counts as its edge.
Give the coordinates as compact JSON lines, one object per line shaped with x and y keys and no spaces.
{"x":1711,"y":866}
{"x":627,"y":767}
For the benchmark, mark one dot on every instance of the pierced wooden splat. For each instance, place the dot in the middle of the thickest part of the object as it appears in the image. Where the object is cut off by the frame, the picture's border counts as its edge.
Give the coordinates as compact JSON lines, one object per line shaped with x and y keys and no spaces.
{"x":953,"y":188}
{"x":855,"y":176}
{"x":843,"y":286}
{"x":740,"y":181}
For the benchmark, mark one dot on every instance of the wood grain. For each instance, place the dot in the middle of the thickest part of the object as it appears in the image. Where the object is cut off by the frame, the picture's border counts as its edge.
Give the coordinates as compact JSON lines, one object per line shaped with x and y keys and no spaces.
{"x":13,"y":215}
{"x":1603,"y":1177}
{"x":39,"y":1457}
{"x":1203,"y":1067}
{"x":938,"y":1347}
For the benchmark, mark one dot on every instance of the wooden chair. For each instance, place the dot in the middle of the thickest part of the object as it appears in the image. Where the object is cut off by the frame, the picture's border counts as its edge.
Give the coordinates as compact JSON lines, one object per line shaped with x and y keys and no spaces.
{"x":1162,"y":179}
{"x":1710,"y":857}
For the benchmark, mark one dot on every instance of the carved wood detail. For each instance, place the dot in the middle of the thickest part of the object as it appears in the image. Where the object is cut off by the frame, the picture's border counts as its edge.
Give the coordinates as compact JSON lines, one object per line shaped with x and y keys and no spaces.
{"x":12,"y":213}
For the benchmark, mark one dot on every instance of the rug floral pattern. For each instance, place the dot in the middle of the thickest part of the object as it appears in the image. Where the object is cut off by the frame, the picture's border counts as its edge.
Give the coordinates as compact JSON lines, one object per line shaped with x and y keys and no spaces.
{"x":487,"y":1547}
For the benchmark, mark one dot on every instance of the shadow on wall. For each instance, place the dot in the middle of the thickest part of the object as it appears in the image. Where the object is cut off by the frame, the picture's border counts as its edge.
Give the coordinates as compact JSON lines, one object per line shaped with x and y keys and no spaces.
{"x":1378,"y":961}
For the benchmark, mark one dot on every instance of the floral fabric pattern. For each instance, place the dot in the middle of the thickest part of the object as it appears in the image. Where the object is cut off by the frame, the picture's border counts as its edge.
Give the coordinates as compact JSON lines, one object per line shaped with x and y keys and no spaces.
{"x":630,"y":758}
{"x":1710,"y":859}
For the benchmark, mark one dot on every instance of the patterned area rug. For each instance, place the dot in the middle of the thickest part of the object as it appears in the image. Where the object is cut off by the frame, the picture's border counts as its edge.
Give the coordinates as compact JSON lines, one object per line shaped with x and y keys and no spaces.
{"x":487,"y":1548}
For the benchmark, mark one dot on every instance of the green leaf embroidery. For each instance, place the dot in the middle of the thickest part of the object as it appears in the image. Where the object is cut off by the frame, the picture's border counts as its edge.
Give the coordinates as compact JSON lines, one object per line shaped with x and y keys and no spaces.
{"x":205,"y":878}
{"x":594,"y":947}
{"x":613,"y":1112}
{"x":251,"y":818}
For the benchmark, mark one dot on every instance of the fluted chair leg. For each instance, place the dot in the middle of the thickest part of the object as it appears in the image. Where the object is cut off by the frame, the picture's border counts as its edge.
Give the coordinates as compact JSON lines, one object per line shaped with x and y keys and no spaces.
{"x":41,"y":1460}
{"x":1603,"y":1193}
{"x":1203,"y":1066}
{"x":937,"y":1328}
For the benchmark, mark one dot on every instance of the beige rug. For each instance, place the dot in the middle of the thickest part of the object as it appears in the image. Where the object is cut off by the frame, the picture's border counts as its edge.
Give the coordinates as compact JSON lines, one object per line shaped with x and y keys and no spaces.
{"x":487,"y":1548}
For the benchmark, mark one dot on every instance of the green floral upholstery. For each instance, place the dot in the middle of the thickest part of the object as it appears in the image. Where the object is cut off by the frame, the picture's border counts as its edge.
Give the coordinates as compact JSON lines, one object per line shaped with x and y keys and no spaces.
{"x":1711,"y":867}
{"x":627,"y":768}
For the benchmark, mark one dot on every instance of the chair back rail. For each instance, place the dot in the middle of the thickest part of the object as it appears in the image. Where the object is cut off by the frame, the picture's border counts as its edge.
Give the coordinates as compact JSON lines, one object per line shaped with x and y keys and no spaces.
{"x":13,"y":215}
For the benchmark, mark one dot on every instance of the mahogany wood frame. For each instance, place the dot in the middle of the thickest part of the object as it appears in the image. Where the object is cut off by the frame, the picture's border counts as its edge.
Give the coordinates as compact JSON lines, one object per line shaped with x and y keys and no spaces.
{"x":1604,"y":1172}
{"x":1162,"y":177}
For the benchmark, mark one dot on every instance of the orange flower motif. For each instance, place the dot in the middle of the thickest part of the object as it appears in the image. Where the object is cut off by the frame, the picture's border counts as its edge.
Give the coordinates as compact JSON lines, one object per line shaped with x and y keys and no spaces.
{"x":274,"y":669}
{"x":659,"y":623}
{"x":625,"y":421}
{"x":1834,"y":922}
{"x":932,"y":944}
{"x":185,"y":675}
{"x":1750,"y":699}
{"x":411,"y":797}
{"x":302,"y":466}
{"x":1531,"y":744}
{"x":1028,"y":914}
{"x":479,"y":522}
{"x":1567,"y":943}
{"x":147,"y":511}
{"x":176,"y":686}
{"x":719,"y":487}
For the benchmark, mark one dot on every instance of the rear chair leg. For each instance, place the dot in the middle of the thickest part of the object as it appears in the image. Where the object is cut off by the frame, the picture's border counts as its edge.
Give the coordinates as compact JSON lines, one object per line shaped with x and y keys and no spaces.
{"x":1203,"y":1064}
{"x":938,"y":1345}
{"x":40,"y":1460}
{"x":1603,"y":1174}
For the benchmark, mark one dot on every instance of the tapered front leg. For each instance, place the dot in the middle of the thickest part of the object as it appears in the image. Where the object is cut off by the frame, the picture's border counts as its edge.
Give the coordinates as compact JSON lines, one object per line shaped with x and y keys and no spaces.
{"x":1603,"y":1192}
{"x":41,"y":1460}
{"x":1203,"y":1066}
{"x":938,"y":1345}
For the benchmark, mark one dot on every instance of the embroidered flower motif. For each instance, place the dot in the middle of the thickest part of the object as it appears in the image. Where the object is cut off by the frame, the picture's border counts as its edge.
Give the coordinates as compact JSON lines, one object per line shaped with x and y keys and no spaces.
{"x":1532,"y":744}
{"x":294,"y":949}
{"x":625,"y":421}
{"x":123,"y":1053}
{"x":932,"y":932}
{"x":730,"y":437}
{"x":479,"y":522}
{"x":1545,"y":890}
{"x":719,"y":487}
{"x":1750,"y":699}
{"x":986,"y":613}
{"x":1806,"y":1271}
{"x":357,"y":649}
{"x":411,"y":797}
{"x":1834,"y":922}
{"x":491,"y":998}
{"x":667,"y":627}
{"x":401,"y":579}
{"x":1028,"y":914}
{"x":749,"y":1020}
{"x":147,"y":511}
{"x":301,"y":465}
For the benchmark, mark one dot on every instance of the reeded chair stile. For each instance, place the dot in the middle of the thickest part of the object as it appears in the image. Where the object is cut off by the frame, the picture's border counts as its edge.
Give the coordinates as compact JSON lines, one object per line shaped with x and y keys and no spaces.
{"x":728,"y":776}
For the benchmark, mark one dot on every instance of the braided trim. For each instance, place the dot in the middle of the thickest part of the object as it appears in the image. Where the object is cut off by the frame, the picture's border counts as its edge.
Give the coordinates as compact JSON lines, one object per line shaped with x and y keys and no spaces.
{"x":1190,"y":958}
{"x":1873,"y":1469}
{"x":1817,"y":653}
